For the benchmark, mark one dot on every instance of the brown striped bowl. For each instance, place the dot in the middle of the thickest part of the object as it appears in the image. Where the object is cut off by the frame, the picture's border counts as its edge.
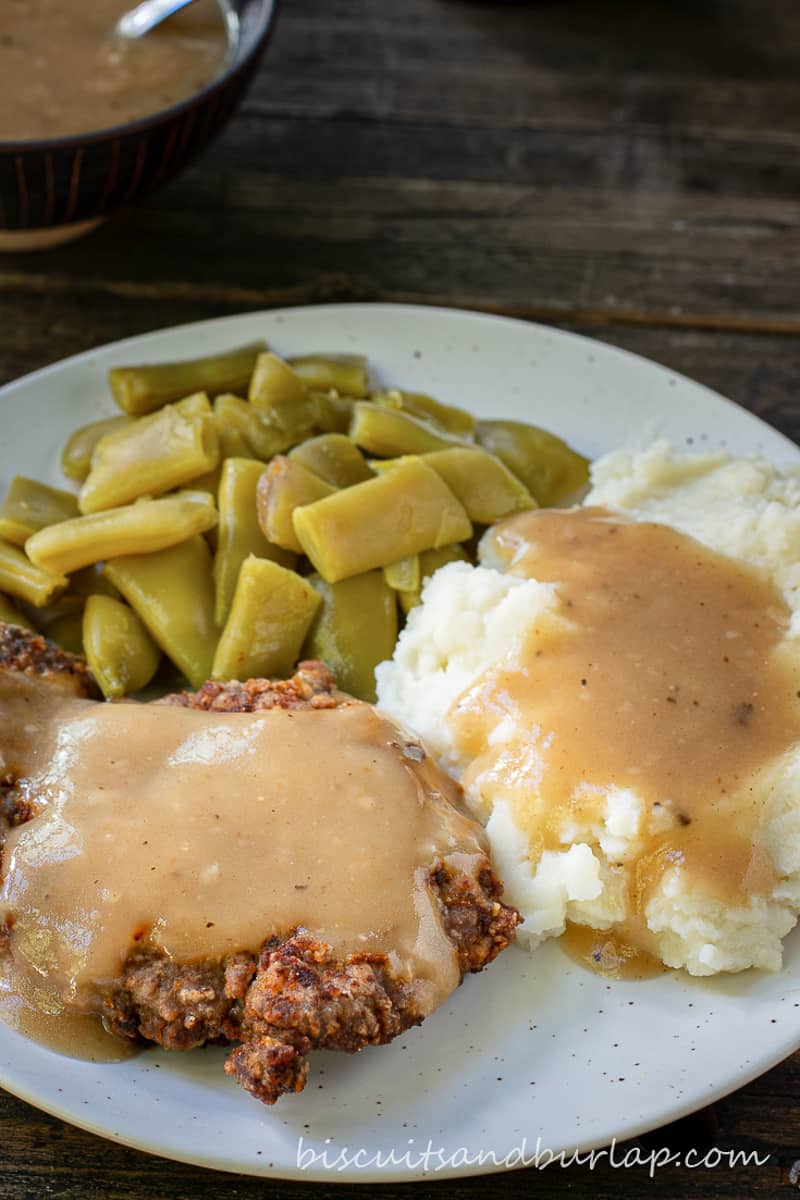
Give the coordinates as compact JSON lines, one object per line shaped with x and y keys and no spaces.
{"x":56,"y":189}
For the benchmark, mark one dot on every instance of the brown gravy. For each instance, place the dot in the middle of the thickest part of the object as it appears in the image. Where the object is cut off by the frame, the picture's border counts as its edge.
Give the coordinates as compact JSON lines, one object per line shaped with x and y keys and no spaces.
{"x":666,"y":673}
{"x":608,"y":954}
{"x":65,"y":71}
{"x":37,"y":1013}
{"x":200,"y":834}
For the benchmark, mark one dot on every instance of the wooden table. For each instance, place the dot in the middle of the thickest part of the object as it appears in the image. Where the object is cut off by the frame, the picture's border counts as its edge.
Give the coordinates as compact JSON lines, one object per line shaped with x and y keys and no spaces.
{"x":627,"y":169}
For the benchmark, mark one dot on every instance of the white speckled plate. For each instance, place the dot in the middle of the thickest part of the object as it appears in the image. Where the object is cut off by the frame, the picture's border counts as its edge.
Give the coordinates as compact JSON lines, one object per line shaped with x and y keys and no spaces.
{"x":536,"y":1048}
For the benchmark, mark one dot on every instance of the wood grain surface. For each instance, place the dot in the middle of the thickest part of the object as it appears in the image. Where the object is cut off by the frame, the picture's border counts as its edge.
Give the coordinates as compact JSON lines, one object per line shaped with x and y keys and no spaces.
{"x":626,"y":168}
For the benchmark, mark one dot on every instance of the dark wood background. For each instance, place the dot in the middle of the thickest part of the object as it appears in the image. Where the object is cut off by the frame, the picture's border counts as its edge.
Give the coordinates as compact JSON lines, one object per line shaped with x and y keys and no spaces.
{"x":626,"y":168}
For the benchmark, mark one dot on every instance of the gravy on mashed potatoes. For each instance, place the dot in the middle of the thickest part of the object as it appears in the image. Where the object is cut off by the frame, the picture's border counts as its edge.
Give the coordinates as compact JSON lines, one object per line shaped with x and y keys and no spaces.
{"x":630,"y":727}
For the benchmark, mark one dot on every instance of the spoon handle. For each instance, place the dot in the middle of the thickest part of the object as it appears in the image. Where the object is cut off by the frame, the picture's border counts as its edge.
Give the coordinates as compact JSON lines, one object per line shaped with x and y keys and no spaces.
{"x":146,"y":16}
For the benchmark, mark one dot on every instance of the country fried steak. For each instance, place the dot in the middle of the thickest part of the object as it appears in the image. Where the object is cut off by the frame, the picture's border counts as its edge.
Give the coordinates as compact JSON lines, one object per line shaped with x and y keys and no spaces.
{"x":293,"y":993}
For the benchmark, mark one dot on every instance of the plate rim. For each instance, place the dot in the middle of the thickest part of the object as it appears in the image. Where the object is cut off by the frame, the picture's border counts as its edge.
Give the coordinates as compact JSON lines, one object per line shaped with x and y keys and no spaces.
{"x":599,"y":348}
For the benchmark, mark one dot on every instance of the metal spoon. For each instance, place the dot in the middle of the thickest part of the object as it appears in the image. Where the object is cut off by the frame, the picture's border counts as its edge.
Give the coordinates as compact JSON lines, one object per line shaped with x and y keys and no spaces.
{"x":140,"y":20}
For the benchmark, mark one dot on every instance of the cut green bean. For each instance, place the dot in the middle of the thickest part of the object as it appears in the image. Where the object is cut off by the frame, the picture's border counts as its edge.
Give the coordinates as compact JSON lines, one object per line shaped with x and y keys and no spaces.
{"x":195,"y":405}
{"x":448,"y":418}
{"x":173,"y":593}
{"x":30,"y":506}
{"x":430,"y":561}
{"x":354,"y":630}
{"x":284,"y":486}
{"x":483,"y":484}
{"x":284,"y":402}
{"x":140,"y":528}
{"x":141,"y":390}
{"x":209,"y":483}
{"x":76,"y":457}
{"x":120,"y":652}
{"x":403,"y":575}
{"x":60,"y":620}
{"x":154,"y":455}
{"x":332,"y":413}
{"x":233,"y":444}
{"x":11,"y":615}
{"x":277,"y":390}
{"x":239,"y":533}
{"x":19,"y":577}
{"x":343,"y":373}
{"x":390,"y":433}
{"x":67,"y":632}
{"x":549,"y":468}
{"x":235,"y":415}
{"x":372,"y":524}
{"x":269,"y":618}
{"x":90,"y":581}
{"x":333,"y":458}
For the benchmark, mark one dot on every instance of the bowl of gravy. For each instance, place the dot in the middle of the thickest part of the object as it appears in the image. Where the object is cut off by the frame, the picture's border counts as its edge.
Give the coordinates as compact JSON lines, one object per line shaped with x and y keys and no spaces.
{"x":90,"y":121}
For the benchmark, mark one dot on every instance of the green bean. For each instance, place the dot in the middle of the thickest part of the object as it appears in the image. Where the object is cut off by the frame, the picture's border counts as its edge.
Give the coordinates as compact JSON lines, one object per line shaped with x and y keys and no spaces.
{"x":239,"y":533}
{"x":195,"y":405}
{"x":65,"y":628}
{"x":482,"y":483}
{"x":209,"y":482}
{"x":269,"y":618}
{"x":333,"y":458}
{"x":354,"y":630}
{"x":156,"y":454}
{"x":284,"y":486}
{"x":331,"y":412}
{"x":549,"y":468}
{"x":430,"y":561}
{"x":11,"y":615}
{"x":389,"y":433}
{"x":343,"y":373}
{"x":233,"y":444}
{"x":372,"y":524}
{"x":172,"y":591}
{"x":235,"y":415}
{"x":403,"y":575}
{"x":90,"y":581}
{"x":76,"y":457}
{"x":277,"y":390}
{"x":140,"y":390}
{"x":20,"y":578}
{"x":140,"y":528}
{"x":29,"y":506}
{"x":66,"y":632}
{"x":60,"y":620}
{"x":120,"y":652}
{"x":281,"y":398}
{"x":448,"y":418}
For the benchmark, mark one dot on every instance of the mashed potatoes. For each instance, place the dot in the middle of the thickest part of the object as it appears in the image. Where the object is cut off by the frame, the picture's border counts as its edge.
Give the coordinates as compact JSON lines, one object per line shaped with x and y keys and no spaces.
{"x":584,"y":871}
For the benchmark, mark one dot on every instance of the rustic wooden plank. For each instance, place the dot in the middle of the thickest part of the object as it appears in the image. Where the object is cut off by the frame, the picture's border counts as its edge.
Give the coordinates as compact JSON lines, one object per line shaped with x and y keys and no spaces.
{"x":549,"y":253}
{"x":509,"y":63}
{"x":513,"y":157}
{"x":737,"y":37}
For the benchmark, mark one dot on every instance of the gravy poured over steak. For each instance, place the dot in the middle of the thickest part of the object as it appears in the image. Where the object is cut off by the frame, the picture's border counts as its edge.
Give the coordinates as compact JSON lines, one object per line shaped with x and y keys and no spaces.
{"x":272,"y":864}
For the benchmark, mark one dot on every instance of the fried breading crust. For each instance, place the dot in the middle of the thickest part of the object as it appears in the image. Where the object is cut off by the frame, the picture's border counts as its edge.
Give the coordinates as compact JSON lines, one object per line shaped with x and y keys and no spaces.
{"x":311,"y":686}
{"x":21,"y":650}
{"x":295,"y":995}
